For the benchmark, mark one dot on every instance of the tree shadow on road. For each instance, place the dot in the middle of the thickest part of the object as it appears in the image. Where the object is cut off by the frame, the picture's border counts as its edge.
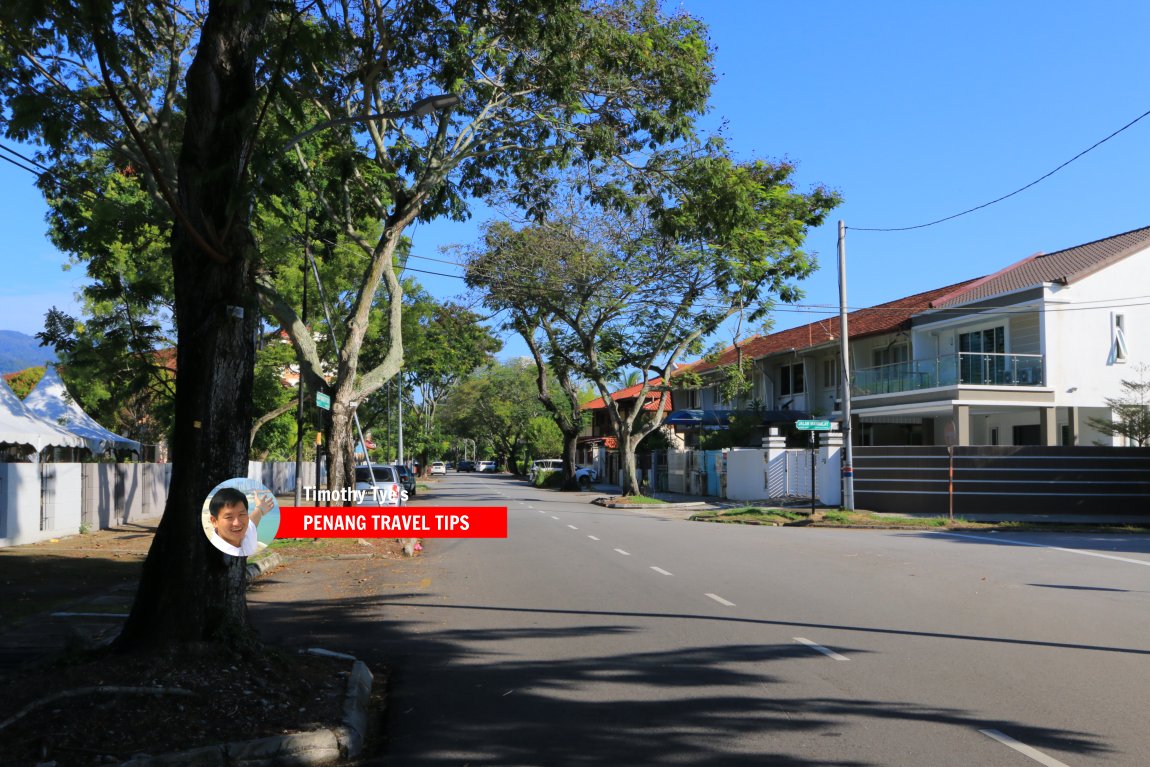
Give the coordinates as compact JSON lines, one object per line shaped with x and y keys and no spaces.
{"x":465,"y":696}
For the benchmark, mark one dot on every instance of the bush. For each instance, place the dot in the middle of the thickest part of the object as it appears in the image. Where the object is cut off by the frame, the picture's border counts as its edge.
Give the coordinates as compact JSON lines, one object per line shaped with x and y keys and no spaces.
{"x":551,"y":479}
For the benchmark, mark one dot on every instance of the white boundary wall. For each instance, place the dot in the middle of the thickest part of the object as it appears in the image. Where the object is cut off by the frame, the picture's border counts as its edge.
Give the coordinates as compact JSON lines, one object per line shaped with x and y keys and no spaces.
{"x":775,"y":473}
{"x":26,"y":514}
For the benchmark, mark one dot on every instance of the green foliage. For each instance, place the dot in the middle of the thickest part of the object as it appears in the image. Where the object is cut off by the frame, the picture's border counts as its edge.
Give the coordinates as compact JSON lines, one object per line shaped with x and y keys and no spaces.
{"x":120,"y":373}
{"x":276,"y":439}
{"x":743,"y":430}
{"x":663,"y":260}
{"x":1130,"y":411}
{"x":498,"y":407}
{"x":548,"y":479}
{"x":23,"y":382}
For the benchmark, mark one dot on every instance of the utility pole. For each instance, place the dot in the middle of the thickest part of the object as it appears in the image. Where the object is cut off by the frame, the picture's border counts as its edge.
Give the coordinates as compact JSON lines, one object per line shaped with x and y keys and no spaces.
{"x":848,"y":470}
{"x":299,"y":430}
{"x":399,"y":408}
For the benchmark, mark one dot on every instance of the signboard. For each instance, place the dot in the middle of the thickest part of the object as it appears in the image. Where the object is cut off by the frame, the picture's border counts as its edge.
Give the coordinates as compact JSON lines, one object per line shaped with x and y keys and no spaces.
{"x":323,"y":400}
{"x":813,"y":425}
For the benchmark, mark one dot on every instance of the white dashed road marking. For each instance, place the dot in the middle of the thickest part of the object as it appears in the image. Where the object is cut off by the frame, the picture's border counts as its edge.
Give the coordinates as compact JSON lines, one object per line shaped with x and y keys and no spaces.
{"x":624,"y":553}
{"x":825,"y":651}
{"x":659,"y":570}
{"x":720,"y":600}
{"x":572,"y":527}
{"x":592,"y":537}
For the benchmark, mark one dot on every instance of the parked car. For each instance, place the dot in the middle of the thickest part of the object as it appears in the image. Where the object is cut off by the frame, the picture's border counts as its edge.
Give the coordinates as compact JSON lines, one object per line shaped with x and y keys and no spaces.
{"x":465,"y":465}
{"x":486,"y":466}
{"x":438,"y":467}
{"x":406,"y":478}
{"x":544,"y":464}
{"x":585,"y":475}
{"x":385,"y":490}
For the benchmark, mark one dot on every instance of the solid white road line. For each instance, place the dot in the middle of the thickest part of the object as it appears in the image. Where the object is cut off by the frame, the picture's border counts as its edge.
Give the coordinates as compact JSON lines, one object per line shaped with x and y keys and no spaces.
{"x":1022,"y":748}
{"x":659,"y":570}
{"x":572,"y":527}
{"x":825,"y":651}
{"x":996,"y":539}
{"x":624,"y":553}
{"x":592,"y":537}
{"x":720,"y":600}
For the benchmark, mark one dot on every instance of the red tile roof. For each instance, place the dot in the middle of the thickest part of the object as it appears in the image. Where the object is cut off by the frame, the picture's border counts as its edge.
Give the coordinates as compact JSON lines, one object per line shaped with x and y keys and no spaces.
{"x":630,"y":393}
{"x":884,"y":318}
{"x":1063,"y":266}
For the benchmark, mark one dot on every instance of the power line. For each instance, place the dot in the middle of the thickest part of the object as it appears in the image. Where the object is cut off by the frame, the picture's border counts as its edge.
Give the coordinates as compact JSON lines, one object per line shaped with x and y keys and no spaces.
{"x":1005,"y":196}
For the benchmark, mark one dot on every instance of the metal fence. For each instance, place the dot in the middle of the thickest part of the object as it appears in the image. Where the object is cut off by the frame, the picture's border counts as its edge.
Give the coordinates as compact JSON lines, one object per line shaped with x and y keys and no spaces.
{"x":1003,"y":480}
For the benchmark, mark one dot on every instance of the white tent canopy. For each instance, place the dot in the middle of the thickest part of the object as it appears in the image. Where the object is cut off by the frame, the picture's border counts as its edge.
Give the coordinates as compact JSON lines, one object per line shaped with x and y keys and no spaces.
{"x":19,"y":426}
{"x":51,"y":401}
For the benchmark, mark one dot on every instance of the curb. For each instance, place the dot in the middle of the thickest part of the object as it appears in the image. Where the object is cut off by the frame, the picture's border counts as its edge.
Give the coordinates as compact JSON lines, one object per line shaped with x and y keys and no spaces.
{"x":263,"y":565}
{"x":317,"y":747}
{"x":612,"y":504}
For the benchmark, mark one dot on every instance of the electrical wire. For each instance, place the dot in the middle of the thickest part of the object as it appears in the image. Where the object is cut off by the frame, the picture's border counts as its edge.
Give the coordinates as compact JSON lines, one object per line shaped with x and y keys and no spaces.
{"x":1005,"y":196}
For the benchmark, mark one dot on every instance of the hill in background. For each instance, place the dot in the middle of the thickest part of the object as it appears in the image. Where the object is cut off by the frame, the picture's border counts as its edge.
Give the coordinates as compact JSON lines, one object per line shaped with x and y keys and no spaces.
{"x":19,"y":351}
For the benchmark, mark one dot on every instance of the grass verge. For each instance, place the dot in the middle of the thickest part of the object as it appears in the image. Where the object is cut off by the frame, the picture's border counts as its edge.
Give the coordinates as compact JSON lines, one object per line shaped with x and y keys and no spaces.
{"x":754,"y":515}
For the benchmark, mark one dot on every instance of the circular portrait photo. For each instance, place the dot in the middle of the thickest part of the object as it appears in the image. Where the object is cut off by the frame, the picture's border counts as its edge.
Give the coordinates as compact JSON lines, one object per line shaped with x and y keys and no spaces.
{"x":241,"y":517}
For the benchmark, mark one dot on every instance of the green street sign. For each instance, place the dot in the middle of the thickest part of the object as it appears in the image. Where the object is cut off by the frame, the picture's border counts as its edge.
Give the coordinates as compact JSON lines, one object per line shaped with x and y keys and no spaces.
{"x":322,"y":400}
{"x":813,"y":425}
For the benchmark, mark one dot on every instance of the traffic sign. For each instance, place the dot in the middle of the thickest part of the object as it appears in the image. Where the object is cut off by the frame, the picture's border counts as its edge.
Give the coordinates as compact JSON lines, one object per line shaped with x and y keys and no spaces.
{"x":322,"y":400}
{"x":813,"y":425}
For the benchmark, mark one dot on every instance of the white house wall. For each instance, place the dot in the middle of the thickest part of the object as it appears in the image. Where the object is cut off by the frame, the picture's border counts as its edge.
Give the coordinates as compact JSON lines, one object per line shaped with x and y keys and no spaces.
{"x":1078,"y":332}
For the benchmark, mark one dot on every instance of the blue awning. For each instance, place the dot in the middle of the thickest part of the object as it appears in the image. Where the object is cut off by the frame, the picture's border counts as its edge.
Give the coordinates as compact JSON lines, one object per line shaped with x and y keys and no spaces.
{"x":722,"y":418}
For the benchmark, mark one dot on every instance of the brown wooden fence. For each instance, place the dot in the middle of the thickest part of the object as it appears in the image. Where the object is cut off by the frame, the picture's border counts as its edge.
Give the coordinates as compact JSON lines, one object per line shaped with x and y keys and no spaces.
{"x":1003,"y":480}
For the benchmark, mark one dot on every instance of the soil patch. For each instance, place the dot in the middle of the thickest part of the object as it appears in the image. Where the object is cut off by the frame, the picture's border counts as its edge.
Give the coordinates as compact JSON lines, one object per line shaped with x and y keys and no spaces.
{"x":122,"y":705}
{"x":198,"y":697}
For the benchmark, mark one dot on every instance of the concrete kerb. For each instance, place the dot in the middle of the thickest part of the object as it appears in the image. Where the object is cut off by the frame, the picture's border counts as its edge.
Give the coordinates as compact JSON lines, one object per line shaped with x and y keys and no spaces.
{"x":317,"y":747}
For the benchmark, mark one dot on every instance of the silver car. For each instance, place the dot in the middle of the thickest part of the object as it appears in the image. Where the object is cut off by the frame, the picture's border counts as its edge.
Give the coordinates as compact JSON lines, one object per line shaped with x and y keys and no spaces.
{"x":385,"y":490}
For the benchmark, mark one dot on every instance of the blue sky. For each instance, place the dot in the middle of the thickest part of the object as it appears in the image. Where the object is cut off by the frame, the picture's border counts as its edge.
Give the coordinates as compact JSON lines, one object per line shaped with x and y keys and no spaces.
{"x":913,"y":111}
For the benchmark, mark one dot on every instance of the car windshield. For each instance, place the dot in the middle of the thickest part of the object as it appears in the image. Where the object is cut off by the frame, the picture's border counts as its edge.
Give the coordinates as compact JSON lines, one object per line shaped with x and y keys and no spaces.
{"x":382,"y":474}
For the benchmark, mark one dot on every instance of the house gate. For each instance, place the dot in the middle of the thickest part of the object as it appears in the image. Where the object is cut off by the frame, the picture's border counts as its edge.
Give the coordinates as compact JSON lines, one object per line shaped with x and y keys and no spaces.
{"x":1004,"y":480}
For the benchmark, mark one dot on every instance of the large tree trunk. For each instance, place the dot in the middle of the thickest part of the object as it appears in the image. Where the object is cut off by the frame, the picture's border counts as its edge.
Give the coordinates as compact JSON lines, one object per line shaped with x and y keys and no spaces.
{"x":627,"y":464}
{"x":570,"y":453}
{"x":340,"y":447}
{"x":189,"y":591}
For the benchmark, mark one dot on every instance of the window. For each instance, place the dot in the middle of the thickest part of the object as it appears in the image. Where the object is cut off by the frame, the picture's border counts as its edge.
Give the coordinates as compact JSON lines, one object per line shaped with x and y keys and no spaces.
{"x":981,"y":356}
{"x":890,"y":355}
{"x":994,"y":435}
{"x":791,"y":379}
{"x":832,"y":373}
{"x":692,"y":399}
{"x":1118,"y":350}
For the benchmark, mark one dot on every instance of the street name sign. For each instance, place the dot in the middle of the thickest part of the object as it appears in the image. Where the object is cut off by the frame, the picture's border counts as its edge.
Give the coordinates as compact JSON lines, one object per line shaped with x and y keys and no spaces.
{"x":813,"y":425}
{"x":323,"y":400}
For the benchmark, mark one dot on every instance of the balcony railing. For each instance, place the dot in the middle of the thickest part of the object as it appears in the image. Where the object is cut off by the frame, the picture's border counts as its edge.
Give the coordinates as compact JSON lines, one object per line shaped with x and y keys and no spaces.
{"x":964,"y":368}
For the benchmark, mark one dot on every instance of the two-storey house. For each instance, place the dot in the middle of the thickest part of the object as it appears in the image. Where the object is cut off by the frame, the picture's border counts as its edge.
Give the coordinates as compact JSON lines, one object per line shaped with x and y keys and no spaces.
{"x":1024,"y":356}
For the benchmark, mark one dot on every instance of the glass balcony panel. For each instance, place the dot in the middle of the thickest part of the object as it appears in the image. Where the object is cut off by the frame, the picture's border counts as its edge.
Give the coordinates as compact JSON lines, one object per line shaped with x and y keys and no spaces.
{"x":963,"y":368}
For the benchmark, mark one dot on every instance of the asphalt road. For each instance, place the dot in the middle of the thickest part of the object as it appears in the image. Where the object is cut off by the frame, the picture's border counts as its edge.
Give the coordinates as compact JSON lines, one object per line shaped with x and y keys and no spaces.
{"x":606,"y":637}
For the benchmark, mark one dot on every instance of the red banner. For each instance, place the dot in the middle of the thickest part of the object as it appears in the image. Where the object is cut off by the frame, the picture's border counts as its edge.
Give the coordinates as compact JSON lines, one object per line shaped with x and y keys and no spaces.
{"x":393,"y":522}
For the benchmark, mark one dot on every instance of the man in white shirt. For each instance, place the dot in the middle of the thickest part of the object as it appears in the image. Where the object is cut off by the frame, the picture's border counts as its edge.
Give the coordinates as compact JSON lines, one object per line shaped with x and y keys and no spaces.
{"x":234,"y":528}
